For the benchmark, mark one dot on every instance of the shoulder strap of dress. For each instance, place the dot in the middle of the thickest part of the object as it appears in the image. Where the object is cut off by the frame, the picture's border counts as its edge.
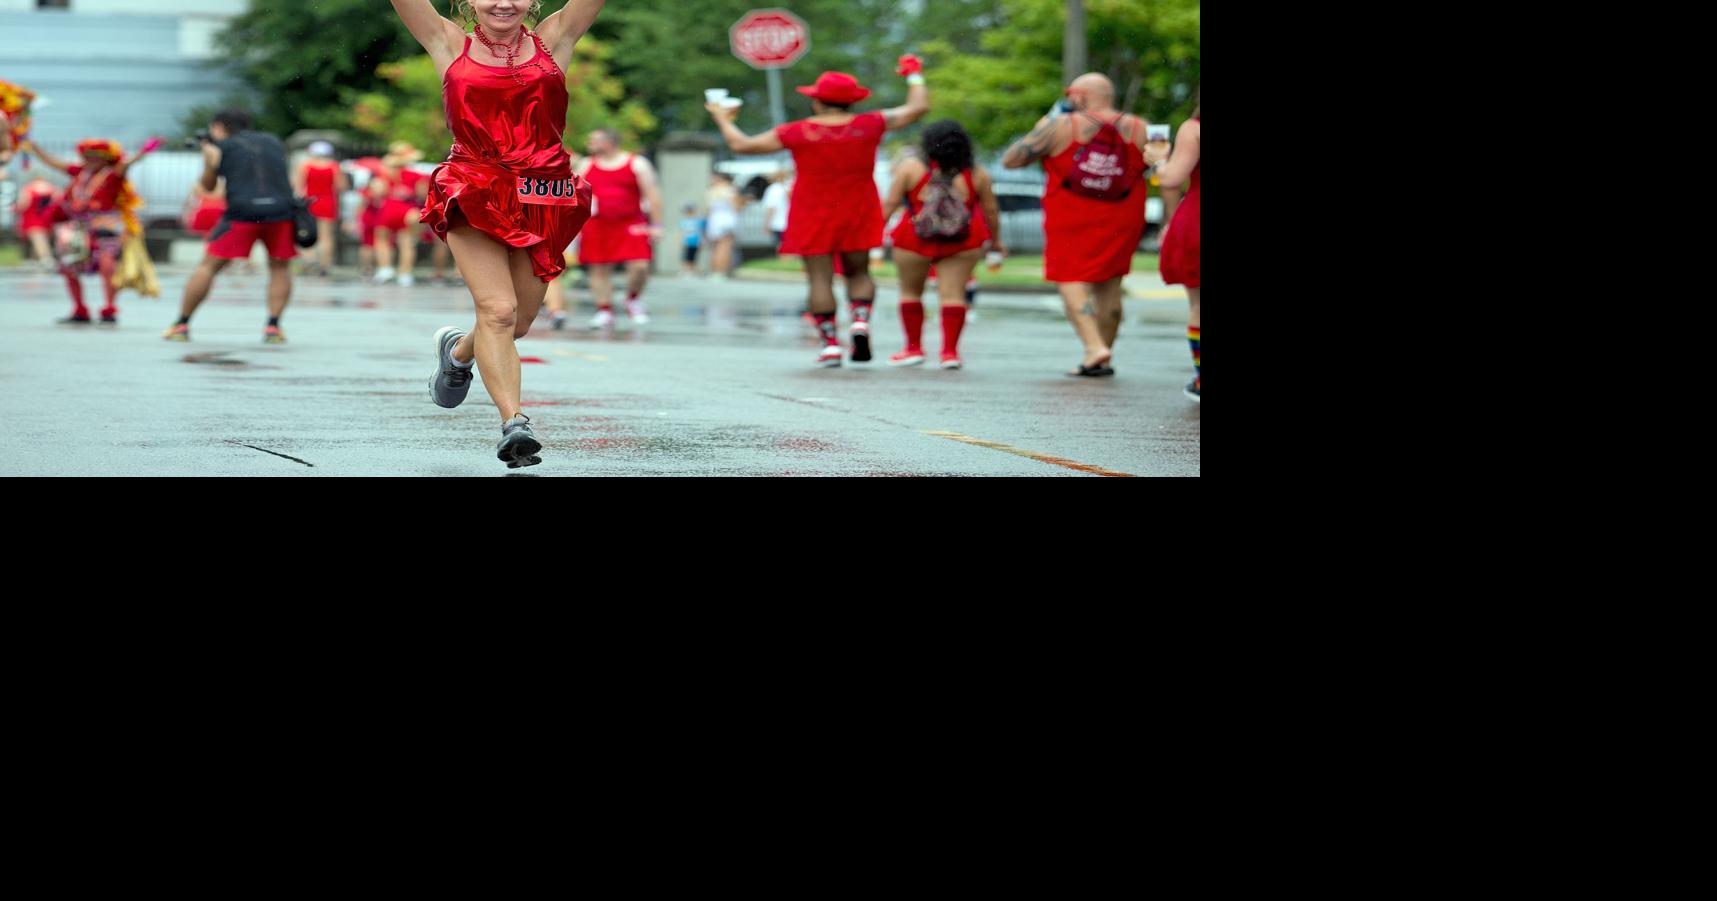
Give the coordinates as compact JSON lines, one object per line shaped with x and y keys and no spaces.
{"x":543,"y":50}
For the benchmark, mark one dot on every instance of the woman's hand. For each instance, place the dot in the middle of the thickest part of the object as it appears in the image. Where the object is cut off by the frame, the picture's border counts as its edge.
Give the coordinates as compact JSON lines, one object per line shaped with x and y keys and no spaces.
{"x":722,"y":113}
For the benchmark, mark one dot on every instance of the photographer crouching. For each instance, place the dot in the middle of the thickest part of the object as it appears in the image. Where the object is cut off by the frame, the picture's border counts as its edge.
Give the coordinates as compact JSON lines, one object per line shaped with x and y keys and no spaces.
{"x":259,"y":208}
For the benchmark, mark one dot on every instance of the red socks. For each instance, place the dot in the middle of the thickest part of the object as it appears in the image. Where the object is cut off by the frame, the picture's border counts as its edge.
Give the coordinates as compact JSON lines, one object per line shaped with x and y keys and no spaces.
{"x":953,"y":323}
{"x":912,"y":319}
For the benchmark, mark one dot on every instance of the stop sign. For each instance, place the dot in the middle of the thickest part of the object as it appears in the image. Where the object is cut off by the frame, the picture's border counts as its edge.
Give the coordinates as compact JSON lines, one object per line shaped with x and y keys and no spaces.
{"x":770,"y":38}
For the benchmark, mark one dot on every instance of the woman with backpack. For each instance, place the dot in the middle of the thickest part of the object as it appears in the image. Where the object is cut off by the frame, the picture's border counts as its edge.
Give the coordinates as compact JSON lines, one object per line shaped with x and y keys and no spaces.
{"x":1093,"y":208}
{"x":951,"y":214}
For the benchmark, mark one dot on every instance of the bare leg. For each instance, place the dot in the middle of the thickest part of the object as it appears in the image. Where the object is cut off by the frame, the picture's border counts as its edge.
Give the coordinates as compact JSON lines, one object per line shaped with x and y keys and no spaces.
{"x":952,"y":275}
{"x":1192,"y":295}
{"x":279,"y":287}
{"x":637,"y":277}
{"x":484,"y":264}
{"x":39,"y":243}
{"x":202,"y":279}
{"x":556,"y":296}
{"x":1108,"y":309}
{"x":1076,"y":296}
{"x":439,"y":257}
{"x":602,"y":285}
{"x":914,"y":273}
{"x":384,"y":248}
{"x":860,"y":286}
{"x":820,"y":272}
{"x":530,"y":291}
{"x":408,"y":238}
{"x":325,"y":238}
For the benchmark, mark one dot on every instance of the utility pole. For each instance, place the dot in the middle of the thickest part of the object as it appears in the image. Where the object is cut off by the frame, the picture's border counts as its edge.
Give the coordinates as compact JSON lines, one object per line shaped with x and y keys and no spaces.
{"x":1075,"y":55}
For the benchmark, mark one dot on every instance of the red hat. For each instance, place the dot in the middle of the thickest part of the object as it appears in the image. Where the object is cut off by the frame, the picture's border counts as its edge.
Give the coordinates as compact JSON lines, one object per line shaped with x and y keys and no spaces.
{"x":837,"y":88}
{"x":101,"y":148}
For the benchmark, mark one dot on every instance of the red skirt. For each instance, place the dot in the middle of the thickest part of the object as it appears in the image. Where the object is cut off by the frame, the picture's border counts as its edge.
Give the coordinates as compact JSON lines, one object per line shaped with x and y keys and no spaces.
{"x":487,"y":198}
{"x":838,"y":225}
{"x":1087,"y":240}
{"x":325,"y":207}
{"x":615,"y":241}
{"x":1180,"y":251}
{"x":906,"y":238}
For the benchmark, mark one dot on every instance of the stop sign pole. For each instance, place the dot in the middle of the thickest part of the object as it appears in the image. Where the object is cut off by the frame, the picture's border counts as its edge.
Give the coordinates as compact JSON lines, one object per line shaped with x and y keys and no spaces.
{"x":771,"y":40}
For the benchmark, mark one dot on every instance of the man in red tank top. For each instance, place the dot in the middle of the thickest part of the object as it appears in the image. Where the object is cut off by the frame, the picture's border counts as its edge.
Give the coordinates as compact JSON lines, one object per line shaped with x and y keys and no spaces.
{"x":627,"y":219}
{"x":1089,"y":242}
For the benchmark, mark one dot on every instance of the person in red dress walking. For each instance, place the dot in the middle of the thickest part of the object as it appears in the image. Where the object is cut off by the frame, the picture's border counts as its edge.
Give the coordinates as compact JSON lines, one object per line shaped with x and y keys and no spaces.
{"x":320,"y":179}
{"x":835,"y":211}
{"x":36,"y":218}
{"x":1180,"y":258}
{"x":506,"y":200}
{"x":946,"y":194}
{"x":1093,"y":208}
{"x":402,"y":191}
{"x":628,"y":218}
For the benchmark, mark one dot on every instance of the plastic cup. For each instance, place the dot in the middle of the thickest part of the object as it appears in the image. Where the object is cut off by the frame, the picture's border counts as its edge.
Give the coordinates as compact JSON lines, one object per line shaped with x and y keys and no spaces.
{"x":1156,"y":134}
{"x":731,"y":103}
{"x":994,"y":260}
{"x":715,"y":95}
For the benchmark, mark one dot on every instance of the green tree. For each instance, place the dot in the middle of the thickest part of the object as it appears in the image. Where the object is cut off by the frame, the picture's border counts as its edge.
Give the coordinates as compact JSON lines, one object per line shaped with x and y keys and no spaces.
{"x":1000,"y":88}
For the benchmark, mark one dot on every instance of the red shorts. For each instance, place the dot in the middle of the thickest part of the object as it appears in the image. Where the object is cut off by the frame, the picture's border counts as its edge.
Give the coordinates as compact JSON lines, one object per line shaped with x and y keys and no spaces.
{"x":233,"y":240}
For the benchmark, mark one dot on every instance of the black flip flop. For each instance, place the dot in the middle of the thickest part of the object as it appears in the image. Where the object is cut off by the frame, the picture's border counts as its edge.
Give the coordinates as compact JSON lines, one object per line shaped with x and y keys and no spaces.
{"x":1092,"y":371}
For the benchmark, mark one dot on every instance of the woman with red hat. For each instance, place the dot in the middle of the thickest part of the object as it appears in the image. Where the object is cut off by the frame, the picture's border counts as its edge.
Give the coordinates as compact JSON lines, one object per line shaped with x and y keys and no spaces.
{"x":506,"y":200}
{"x":835,"y":209}
{"x":102,"y":208}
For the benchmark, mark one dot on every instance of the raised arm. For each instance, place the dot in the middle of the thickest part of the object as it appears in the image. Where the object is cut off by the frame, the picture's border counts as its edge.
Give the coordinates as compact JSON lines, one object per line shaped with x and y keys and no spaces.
{"x":48,"y":159}
{"x":560,"y":32}
{"x":441,"y":38}
{"x":150,"y":146}
{"x":917,"y":95}
{"x":1037,"y":145}
{"x":738,"y":141}
{"x":211,"y":168}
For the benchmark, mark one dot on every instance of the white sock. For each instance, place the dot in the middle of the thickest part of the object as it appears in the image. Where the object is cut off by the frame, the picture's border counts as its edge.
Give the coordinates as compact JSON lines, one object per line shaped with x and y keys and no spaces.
{"x":455,"y":359}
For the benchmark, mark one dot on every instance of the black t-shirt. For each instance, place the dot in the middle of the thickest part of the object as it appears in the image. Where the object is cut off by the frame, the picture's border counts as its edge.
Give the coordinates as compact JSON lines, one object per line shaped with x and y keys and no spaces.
{"x":258,"y":186}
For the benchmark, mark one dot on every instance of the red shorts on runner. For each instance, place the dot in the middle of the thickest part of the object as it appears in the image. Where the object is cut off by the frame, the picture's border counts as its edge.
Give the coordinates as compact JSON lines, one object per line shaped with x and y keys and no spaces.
{"x":233,"y":240}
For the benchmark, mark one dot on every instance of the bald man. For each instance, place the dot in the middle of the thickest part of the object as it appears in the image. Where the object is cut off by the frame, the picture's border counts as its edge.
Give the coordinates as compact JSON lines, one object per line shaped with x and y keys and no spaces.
{"x":1089,"y":239}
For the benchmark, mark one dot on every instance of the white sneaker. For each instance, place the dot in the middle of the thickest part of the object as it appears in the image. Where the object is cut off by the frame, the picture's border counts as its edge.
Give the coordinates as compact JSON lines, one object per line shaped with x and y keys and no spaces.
{"x":407,"y":281}
{"x":635,"y":309}
{"x":831,"y":356}
{"x":383,"y":276}
{"x":603,"y":319}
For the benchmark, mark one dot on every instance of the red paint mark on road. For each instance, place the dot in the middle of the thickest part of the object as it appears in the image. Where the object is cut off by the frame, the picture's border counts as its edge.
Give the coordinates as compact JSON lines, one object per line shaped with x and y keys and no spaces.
{"x":538,"y":360}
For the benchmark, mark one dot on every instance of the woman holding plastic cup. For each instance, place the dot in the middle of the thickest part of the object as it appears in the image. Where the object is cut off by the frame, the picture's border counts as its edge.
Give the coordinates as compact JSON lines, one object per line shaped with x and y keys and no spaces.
{"x":835,"y":208}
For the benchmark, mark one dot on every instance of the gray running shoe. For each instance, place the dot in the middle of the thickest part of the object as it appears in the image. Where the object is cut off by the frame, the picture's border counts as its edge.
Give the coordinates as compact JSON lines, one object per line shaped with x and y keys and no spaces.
{"x":451,"y":383}
{"x":519,"y":445}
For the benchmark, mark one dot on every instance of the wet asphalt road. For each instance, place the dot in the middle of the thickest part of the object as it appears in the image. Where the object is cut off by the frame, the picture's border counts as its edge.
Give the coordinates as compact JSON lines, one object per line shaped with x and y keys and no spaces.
{"x":720,"y":384}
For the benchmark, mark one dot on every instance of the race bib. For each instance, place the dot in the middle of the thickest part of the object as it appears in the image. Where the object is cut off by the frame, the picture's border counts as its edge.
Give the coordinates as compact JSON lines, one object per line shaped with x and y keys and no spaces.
{"x":541,"y":192}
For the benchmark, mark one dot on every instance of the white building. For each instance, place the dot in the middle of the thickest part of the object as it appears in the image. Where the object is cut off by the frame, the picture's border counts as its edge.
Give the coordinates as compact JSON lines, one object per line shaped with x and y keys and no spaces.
{"x":122,"y":69}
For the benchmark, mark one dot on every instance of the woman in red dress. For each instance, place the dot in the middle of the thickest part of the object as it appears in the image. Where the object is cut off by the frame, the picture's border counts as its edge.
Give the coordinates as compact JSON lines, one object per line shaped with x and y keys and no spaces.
{"x":945,"y":160}
{"x":1093,"y":208}
{"x":506,"y":201}
{"x":1180,"y":243}
{"x":36,"y":218}
{"x":320,"y":180}
{"x":835,"y":209}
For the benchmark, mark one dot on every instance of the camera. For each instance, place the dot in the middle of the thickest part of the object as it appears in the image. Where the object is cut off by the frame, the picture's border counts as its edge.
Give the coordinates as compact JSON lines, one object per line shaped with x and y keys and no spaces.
{"x":196,"y":141}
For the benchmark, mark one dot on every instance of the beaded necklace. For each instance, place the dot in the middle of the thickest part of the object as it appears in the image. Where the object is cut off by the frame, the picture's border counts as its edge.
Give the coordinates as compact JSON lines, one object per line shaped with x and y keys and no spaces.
{"x":512,"y":52}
